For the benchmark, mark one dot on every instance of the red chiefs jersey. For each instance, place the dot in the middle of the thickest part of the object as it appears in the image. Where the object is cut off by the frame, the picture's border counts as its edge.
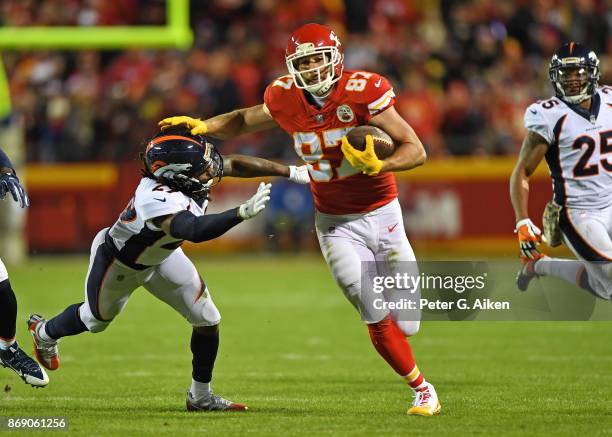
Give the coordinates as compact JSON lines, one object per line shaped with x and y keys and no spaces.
{"x":337,"y":187}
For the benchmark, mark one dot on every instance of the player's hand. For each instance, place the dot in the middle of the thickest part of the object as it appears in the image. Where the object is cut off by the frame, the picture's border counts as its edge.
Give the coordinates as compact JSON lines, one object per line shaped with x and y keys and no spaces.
{"x":366,"y":161}
{"x":255,"y":204}
{"x":299,"y":174}
{"x":529,"y":236}
{"x":197,"y":126}
{"x":10,"y":183}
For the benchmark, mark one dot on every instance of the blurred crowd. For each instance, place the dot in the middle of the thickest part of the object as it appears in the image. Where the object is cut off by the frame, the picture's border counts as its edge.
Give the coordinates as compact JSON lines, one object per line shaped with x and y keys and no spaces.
{"x":463,"y":71}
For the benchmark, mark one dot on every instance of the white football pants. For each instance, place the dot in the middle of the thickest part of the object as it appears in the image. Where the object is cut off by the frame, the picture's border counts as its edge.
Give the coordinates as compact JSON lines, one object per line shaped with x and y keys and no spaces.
{"x":109,"y":284}
{"x":3,"y":272}
{"x":588,"y":233}
{"x":377,"y":241}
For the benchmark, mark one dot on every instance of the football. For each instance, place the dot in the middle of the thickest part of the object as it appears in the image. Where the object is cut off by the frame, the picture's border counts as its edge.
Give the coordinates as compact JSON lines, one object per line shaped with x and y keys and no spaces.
{"x":383,"y":144}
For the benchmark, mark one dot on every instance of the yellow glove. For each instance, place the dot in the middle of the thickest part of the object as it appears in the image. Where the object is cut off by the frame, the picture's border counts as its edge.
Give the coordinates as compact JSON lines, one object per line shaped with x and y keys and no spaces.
{"x":197,"y":126}
{"x":366,"y":161}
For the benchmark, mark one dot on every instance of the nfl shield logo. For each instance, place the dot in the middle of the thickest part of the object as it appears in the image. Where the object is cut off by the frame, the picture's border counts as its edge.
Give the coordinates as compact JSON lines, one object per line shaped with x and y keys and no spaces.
{"x":345,"y":113}
{"x":319,"y":118}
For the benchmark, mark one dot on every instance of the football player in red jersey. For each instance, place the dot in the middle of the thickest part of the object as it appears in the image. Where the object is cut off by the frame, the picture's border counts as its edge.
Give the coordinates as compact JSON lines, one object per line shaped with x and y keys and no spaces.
{"x":358,"y":216}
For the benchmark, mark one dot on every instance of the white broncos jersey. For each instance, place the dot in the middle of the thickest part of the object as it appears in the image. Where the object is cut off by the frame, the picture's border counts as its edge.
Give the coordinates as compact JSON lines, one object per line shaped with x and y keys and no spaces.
{"x":136,"y":241}
{"x":579,"y":156}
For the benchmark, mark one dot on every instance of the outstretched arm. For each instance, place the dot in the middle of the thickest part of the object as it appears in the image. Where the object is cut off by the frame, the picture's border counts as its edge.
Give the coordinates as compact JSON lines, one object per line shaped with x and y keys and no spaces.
{"x":228,"y":125}
{"x":186,"y":226}
{"x":243,"y":166}
{"x":240,"y":121}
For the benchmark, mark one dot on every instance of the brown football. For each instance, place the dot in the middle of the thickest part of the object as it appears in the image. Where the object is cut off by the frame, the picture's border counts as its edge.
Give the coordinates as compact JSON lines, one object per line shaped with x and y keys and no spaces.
{"x":383,"y":144}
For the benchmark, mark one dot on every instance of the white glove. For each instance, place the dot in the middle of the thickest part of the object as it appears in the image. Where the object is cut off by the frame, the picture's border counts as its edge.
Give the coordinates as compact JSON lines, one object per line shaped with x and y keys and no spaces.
{"x":255,"y":204}
{"x":529,"y":236}
{"x":299,"y":175}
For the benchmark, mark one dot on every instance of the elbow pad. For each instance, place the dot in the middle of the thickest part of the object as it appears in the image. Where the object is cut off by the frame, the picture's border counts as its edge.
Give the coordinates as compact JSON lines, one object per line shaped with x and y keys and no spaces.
{"x":187,"y":226}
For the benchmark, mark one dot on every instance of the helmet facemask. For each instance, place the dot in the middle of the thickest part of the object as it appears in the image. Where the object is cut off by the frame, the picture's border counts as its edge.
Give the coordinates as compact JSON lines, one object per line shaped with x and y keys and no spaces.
{"x":325,"y":74}
{"x":574,"y":79}
{"x":212,"y":173}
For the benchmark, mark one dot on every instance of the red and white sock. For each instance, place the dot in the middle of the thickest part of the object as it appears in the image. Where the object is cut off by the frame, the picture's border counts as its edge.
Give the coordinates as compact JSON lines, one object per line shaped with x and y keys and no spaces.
{"x":415,"y":379}
{"x":391,"y":343}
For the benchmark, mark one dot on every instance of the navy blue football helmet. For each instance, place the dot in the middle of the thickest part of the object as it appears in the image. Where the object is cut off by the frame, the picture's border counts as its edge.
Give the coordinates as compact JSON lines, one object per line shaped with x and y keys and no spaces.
{"x":184,"y":162}
{"x":574,"y":72}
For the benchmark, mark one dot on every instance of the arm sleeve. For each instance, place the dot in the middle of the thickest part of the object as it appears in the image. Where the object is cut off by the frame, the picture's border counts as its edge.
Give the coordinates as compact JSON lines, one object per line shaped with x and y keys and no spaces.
{"x":4,"y":160}
{"x":187,"y":226}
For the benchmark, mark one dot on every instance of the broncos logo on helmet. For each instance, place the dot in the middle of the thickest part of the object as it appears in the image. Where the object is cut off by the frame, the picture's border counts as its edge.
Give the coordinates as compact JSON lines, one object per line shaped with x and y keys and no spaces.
{"x":184,"y":162}
{"x":574,"y":72}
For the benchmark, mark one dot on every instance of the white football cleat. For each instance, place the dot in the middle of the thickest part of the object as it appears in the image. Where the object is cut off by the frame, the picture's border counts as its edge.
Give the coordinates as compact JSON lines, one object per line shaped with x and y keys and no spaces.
{"x":213,"y":403}
{"x":47,"y":352}
{"x":425,"y":403}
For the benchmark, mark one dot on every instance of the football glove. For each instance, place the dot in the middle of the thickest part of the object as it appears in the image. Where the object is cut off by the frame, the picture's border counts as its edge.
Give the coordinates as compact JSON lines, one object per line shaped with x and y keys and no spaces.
{"x":299,"y":175}
{"x":365,"y":161}
{"x":529,"y":236}
{"x":9,"y":182}
{"x":197,"y":126}
{"x":255,"y":204}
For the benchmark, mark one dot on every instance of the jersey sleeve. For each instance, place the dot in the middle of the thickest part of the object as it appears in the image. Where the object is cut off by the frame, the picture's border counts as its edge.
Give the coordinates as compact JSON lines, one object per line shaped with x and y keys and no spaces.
{"x":536,"y":122}
{"x":159,"y":203}
{"x":273,"y":96}
{"x":605,"y":91}
{"x":378,"y":94}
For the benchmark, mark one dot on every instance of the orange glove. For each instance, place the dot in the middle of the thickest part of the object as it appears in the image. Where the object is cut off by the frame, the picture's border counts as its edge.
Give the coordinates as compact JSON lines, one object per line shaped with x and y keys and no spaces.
{"x":529,"y":236}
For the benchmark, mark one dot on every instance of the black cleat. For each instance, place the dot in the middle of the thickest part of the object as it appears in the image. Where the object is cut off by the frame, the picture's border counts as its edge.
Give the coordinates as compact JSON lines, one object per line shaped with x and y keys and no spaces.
{"x":526,"y":274}
{"x":28,"y":369}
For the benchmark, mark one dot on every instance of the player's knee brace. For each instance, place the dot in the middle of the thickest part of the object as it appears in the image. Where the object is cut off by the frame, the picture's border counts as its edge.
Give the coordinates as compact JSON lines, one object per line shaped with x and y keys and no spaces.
{"x":409,"y":327}
{"x":93,"y":325}
{"x":204,"y":314}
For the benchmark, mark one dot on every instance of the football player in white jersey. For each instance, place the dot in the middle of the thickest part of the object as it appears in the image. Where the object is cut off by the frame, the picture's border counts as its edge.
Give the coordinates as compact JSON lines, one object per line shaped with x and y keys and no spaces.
{"x":11,"y":355}
{"x":142,"y":248}
{"x":573,"y":132}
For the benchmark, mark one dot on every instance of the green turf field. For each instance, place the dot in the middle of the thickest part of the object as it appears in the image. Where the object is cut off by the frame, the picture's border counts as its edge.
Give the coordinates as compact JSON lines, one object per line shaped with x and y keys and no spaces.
{"x":297,"y":354}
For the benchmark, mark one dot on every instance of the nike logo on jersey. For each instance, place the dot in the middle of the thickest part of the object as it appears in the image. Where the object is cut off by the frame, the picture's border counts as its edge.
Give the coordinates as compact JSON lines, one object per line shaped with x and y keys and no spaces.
{"x":392,"y":228}
{"x":533,"y":111}
{"x":377,"y":84}
{"x":161,"y":200}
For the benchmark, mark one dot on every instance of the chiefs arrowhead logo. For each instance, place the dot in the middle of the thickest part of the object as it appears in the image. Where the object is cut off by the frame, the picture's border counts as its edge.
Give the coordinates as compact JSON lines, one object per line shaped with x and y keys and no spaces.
{"x":345,"y":114}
